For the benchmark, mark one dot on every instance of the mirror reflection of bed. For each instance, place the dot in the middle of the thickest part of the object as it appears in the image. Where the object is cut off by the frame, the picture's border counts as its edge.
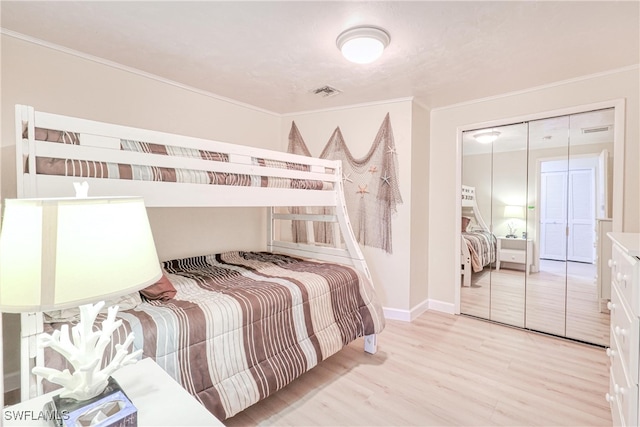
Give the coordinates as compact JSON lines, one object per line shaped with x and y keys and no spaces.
{"x":557,"y":173}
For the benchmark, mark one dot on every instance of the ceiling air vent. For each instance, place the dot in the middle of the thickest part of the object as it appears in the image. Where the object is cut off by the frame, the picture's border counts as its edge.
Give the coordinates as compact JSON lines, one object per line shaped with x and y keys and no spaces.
{"x":595,"y":129}
{"x":326,"y":91}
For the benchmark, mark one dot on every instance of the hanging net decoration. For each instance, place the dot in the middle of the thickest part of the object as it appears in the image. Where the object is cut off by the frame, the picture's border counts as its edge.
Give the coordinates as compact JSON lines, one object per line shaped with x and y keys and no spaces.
{"x":370,"y":185}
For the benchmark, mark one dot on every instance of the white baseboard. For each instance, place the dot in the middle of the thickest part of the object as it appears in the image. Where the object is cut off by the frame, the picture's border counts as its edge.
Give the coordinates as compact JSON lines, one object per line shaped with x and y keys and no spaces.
{"x":396,"y":314}
{"x":12,"y":381}
{"x":441,"y":306}
{"x":410,"y":315}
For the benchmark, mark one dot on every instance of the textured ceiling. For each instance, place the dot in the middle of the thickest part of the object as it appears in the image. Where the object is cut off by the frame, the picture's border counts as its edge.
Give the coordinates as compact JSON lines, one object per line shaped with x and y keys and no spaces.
{"x":271,"y":54}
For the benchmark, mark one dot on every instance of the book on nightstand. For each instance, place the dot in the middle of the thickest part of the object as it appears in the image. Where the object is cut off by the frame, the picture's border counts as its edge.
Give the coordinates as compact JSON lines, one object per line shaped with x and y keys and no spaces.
{"x":111,"y":408}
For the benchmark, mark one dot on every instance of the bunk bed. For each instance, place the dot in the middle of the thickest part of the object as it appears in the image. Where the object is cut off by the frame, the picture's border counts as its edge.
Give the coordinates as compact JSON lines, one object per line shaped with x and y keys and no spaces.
{"x":211,"y":326}
{"x":478,"y":244}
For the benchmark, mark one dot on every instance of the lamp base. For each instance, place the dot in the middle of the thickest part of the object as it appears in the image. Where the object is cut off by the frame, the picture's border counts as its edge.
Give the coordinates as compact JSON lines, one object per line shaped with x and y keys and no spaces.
{"x":111,"y":408}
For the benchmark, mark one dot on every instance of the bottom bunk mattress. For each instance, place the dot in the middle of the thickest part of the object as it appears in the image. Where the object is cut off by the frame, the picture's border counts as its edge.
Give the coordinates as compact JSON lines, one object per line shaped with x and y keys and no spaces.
{"x":242,"y":325}
{"x":482,"y":248}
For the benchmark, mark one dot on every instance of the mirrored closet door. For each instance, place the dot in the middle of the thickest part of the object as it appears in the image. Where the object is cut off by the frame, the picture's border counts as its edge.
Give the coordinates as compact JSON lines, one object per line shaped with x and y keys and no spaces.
{"x":538,"y":195}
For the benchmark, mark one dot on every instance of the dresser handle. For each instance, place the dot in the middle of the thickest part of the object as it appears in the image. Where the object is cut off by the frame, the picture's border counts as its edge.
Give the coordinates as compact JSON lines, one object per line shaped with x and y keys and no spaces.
{"x":611,"y":306}
{"x":611,"y":353}
{"x":609,"y":398}
{"x":620,"y":331}
{"x":611,"y":263}
{"x":622,"y":278}
{"x":619,"y":390}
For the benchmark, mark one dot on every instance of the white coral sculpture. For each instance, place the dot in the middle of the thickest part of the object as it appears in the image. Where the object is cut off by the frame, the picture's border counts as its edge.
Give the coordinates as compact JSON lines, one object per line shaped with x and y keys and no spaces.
{"x":86,"y":353}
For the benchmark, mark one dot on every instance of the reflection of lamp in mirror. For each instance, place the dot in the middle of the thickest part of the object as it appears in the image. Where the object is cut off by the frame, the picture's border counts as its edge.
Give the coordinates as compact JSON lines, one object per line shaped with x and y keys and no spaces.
{"x":486,"y":137}
{"x":513,"y":213}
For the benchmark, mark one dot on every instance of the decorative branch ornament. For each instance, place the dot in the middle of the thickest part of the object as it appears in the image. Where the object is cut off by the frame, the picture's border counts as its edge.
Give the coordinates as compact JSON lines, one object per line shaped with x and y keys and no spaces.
{"x":85,"y":353}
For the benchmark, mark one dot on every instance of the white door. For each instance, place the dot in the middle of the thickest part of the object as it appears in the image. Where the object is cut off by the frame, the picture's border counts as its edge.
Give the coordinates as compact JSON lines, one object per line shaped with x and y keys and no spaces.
{"x":553,"y":215}
{"x":581,"y":216}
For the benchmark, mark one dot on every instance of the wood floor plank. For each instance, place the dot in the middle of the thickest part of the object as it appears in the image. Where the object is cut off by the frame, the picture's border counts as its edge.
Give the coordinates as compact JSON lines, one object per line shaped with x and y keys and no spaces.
{"x":447,"y":370}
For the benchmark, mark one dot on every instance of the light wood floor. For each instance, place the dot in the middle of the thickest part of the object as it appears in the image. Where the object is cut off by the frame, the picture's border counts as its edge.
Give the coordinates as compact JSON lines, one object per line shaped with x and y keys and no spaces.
{"x":448,"y":371}
{"x":558,"y":301}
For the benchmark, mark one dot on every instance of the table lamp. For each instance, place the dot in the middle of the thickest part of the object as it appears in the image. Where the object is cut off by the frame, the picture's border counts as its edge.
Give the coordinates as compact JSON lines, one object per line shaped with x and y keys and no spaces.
{"x":64,"y":253}
{"x":513,"y":213}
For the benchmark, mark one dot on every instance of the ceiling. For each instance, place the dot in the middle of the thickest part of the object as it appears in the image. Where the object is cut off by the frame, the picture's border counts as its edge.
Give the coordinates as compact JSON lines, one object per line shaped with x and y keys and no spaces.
{"x":272,"y":54}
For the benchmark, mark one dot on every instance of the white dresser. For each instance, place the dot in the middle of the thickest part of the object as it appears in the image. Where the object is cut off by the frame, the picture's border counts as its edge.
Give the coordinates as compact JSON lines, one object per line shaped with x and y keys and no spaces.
{"x":625,"y":336}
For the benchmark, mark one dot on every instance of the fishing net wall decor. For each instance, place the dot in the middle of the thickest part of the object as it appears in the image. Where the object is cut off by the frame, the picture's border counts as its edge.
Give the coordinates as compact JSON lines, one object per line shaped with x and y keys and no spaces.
{"x":370,"y":185}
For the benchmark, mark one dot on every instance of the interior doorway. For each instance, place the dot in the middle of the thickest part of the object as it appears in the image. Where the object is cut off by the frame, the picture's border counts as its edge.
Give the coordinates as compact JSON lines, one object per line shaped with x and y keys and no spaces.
{"x":568,"y":195}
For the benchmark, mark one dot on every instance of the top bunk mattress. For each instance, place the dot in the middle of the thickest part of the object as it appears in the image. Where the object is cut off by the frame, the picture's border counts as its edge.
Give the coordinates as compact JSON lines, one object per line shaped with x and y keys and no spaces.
{"x":74,"y":167}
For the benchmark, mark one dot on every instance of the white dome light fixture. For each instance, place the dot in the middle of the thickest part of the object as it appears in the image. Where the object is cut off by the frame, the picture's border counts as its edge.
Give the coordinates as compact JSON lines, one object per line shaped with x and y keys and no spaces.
{"x":486,"y":137}
{"x":364,"y":44}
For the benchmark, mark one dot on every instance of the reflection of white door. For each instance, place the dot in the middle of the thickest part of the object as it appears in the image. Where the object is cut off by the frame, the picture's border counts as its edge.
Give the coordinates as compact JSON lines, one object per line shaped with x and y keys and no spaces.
{"x":567,"y":215}
{"x":553,"y":215}
{"x":581,"y":216}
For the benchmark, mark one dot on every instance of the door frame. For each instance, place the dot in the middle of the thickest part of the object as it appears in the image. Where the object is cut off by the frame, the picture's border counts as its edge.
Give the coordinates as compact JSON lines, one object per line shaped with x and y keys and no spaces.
{"x":619,"y":107}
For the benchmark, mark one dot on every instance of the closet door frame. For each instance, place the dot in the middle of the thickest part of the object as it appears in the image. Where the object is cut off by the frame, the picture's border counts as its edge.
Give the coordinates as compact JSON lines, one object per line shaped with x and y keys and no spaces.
{"x":618,"y":166}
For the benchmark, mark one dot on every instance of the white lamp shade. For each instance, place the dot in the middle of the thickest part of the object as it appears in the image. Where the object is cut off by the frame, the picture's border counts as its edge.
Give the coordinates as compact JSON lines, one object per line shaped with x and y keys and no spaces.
{"x":514,"y":212}
{"x":62,"y":253}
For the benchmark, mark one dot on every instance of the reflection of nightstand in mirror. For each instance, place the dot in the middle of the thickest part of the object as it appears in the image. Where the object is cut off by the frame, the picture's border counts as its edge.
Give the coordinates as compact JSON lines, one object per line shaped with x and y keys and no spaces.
{"x":516,"y":251}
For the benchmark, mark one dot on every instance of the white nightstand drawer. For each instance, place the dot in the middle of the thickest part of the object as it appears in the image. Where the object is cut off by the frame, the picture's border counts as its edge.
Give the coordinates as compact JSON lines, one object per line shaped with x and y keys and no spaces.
{"x":510,"y":255}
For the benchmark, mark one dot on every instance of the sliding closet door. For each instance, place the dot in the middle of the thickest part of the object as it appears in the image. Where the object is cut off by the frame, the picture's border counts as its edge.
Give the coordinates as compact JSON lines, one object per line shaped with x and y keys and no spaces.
{"x":547,"y":223}
{"x":494,"y":163}
{"x":590,"y":141}
{"x":568,"y":163}
{"x":476,"y":173}
{"x":508,"y":219}
{"x":542,"y":186}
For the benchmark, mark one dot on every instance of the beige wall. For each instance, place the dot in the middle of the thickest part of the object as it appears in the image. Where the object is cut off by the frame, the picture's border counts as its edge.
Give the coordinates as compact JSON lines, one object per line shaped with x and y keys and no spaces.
{"x":61,"y":83}
{"x":446,"y":122}
{"x":419,"y":231}
{"x":359,"y":125}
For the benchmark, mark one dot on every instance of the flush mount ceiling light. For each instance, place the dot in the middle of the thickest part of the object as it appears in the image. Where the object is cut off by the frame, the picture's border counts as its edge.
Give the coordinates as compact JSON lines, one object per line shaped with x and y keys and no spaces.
{"x":486,"y":137}
{"x":363,"y":45}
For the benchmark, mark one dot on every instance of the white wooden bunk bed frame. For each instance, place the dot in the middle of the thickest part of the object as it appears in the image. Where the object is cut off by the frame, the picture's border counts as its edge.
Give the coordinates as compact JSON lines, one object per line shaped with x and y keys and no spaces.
{"x":469,"y":209}
{"x":100,"y":142}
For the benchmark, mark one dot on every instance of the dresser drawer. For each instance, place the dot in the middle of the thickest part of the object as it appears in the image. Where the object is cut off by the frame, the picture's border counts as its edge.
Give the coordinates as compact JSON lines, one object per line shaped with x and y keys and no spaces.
{"x":624,"y":335}
{"x":624,"y":270}
{"x":616,"y":414}
{"x":626,"y":396}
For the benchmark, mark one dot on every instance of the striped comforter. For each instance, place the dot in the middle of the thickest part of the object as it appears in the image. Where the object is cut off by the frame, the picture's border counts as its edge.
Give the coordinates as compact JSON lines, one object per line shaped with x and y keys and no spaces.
{"x":245,"y":324}
{"x":482,"y":247}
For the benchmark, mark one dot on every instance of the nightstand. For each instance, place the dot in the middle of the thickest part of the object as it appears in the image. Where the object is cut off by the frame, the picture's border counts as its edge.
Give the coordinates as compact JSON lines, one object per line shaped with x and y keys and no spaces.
{"x":159,"y":399}
{"x":516,"y":251}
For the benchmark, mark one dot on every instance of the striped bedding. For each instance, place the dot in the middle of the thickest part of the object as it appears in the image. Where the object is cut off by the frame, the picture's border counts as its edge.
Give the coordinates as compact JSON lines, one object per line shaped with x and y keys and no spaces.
{"x":110,"y":170}
{"x":245,"y":324}
{"x":482,"y":247}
